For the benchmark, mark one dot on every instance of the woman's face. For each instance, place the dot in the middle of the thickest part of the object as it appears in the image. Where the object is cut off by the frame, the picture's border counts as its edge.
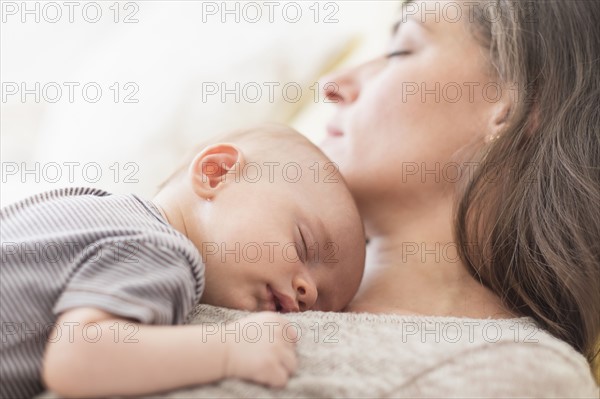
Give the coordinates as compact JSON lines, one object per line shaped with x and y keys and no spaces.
{"x":400,"y":120}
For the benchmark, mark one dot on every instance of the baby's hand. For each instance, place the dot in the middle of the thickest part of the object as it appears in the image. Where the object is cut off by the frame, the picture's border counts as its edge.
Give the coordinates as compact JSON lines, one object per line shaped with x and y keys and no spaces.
{"x":265,"y":352}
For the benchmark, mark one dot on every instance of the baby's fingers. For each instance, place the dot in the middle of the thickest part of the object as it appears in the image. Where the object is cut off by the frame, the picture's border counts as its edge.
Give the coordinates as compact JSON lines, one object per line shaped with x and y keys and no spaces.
{"x":289,"y":361}
{"x":278,"y":378}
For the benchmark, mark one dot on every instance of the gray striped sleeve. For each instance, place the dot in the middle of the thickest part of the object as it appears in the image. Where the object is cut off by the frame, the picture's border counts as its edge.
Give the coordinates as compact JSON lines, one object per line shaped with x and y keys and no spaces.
{"x":111,"y":280}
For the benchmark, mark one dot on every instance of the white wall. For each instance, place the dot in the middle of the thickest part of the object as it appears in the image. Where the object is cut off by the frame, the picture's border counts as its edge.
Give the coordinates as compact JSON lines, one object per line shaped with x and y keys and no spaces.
{"x":169,"y":58}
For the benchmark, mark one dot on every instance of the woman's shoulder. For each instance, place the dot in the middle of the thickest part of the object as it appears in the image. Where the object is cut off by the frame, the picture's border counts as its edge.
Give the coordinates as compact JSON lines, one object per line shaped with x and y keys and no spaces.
{"x":364,"y":354}
{"x":491,"y":357}
{"x":512,"y":357}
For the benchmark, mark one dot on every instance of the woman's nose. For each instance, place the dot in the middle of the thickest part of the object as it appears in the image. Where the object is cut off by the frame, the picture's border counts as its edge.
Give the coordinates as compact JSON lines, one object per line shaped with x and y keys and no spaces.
{"x":340,"y":87}
{"x":306,"y":292}
{"x":344,"y":87}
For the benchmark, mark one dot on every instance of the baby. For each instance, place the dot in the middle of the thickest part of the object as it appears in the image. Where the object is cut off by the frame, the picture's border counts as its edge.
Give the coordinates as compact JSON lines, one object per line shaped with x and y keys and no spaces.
{"x":92,"y":284}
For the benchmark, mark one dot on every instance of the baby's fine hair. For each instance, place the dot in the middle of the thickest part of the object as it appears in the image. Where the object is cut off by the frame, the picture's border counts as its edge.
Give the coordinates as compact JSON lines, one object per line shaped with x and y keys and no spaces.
{"x":254,"y":141}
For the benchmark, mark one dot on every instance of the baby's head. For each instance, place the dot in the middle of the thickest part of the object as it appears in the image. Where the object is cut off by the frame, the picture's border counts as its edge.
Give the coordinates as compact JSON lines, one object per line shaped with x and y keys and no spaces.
{"x":274,"y":221}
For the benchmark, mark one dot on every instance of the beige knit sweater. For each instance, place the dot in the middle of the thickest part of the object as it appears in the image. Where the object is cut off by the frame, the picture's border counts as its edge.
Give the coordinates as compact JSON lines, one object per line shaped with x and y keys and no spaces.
{"x":367,"y":355}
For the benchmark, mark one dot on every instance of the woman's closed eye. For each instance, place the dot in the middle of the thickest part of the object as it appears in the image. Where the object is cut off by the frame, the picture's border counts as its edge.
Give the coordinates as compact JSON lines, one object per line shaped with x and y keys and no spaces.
{"x":398,"y":53}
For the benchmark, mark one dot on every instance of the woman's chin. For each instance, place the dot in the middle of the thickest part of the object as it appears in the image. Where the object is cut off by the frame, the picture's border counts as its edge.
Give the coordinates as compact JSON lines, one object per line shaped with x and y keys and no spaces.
{"x":333,"y":147}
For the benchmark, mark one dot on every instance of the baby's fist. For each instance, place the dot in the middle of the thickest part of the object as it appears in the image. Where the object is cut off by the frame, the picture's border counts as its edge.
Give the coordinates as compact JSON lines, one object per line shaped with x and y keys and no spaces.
{"x":264,"y":351}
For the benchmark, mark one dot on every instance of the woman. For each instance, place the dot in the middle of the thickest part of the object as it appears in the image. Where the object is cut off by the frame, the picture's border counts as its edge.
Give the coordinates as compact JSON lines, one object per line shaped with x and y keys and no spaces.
{"x":473,"y":151}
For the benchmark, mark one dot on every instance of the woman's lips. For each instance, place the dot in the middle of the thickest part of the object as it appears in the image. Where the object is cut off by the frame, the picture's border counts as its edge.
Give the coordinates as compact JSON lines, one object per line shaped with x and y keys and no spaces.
{"x":334,"y":132}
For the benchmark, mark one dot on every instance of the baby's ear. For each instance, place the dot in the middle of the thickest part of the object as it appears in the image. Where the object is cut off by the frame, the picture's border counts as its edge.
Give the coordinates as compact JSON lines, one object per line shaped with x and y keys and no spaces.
{"x":214,"y":167}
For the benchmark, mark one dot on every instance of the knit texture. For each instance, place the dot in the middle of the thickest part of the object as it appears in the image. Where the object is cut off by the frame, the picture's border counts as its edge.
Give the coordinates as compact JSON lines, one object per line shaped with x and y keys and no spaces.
{"x":368,"y":355}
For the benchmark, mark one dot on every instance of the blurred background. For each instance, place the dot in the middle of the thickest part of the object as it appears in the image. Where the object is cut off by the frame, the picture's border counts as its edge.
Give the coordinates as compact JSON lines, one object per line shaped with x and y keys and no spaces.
{"x":112,"y":94}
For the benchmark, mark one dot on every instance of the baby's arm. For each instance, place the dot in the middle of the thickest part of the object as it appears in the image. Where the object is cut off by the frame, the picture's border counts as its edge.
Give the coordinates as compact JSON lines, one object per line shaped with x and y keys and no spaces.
{"x":163,"y":358}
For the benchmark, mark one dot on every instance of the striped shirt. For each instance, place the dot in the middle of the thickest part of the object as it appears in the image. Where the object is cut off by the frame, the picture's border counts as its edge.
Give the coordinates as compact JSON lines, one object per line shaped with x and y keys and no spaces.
{"x":83,"y":247}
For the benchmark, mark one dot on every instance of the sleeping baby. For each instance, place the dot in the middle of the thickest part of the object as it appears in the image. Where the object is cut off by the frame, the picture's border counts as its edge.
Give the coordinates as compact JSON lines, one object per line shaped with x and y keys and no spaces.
{"x":95,"y":287}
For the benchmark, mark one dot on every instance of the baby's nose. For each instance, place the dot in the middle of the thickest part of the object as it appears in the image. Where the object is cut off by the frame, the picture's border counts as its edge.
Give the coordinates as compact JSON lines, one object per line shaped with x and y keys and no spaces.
{"x":306,"y":293}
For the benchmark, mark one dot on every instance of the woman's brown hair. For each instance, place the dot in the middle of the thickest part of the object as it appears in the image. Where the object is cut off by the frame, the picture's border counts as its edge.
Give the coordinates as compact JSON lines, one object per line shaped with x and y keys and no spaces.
{"x":528,"y":222}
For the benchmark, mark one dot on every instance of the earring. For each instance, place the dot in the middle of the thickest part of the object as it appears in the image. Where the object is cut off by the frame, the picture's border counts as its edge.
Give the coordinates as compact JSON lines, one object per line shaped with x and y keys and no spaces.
{"x":491,"y":139}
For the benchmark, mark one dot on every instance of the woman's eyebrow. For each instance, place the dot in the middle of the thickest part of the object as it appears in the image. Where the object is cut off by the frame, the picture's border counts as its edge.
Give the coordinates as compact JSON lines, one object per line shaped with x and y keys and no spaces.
{"x":398,"y":24}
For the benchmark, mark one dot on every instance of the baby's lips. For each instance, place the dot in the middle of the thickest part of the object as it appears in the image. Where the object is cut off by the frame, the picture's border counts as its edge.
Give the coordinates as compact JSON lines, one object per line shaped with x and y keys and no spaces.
{"x":288,"y":304}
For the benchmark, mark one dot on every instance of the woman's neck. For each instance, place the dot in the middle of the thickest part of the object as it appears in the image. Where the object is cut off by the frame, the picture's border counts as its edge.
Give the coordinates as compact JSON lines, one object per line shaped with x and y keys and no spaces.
{"x":413,"y":268}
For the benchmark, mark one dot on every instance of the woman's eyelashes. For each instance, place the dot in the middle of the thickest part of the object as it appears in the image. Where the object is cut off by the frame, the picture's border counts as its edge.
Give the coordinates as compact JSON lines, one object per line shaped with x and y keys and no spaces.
{"x":398,"y":53}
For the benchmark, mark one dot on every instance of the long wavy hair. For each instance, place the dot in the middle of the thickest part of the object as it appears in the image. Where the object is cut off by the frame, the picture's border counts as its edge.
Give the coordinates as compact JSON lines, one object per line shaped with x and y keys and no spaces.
{"x":532,"y":233}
